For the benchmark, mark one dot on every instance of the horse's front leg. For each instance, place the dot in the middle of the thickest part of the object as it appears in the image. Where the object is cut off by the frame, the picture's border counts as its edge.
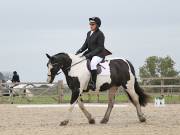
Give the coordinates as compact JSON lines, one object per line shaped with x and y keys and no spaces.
{"x":74,"y":98}
{"x":84,"y":110}
{"x":111,"y":98}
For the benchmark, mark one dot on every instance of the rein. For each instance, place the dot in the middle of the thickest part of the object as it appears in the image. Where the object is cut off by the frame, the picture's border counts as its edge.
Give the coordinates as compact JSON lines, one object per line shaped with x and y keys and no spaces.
{"x":69,"y":66}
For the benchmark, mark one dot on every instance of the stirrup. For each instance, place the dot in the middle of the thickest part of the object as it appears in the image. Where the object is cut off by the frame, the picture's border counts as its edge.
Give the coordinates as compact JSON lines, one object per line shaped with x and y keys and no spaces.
{"x":91,"y":86}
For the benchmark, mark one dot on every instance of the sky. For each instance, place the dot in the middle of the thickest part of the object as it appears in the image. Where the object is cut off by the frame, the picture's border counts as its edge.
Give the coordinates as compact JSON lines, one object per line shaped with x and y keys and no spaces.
{"x":134,"y":29}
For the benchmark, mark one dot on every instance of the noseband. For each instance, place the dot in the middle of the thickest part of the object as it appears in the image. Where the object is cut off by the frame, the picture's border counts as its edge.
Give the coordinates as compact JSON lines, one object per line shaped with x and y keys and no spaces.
{"x":57,"y":72}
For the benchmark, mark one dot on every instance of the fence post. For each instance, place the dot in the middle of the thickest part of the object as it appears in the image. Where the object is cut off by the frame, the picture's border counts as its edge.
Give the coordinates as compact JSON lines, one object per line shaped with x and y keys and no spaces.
{"x":162,"y":84}
{"x":98,"y":97}
{"x":89,"y":97}
{"x":60,"y":91}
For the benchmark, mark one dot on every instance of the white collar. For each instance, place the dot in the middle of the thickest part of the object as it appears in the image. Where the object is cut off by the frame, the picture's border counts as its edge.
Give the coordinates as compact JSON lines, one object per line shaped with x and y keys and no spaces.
{"x":91,"y":33}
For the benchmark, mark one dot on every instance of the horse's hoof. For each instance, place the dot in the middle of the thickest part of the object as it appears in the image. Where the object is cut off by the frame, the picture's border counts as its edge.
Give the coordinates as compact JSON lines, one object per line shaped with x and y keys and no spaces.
{"x":64,"y":123}
{"x":104,"y":121}
{"x":142,"y":119}
{"x":92,"y":121}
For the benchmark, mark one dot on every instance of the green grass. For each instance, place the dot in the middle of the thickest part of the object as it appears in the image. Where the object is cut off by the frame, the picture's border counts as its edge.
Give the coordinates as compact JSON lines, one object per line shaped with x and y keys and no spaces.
{"x":53,"y":99}
{"x":103,"y":98}
{"x":175,"y":99}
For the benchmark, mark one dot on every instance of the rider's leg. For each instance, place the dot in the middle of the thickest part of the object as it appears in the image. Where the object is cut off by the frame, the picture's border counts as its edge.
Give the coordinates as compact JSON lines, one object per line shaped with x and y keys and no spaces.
{"x":95,"y":60}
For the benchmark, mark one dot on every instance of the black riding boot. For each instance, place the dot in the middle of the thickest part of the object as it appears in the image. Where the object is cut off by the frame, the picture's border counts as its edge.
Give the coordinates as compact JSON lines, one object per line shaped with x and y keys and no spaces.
{"x":92,"y":84}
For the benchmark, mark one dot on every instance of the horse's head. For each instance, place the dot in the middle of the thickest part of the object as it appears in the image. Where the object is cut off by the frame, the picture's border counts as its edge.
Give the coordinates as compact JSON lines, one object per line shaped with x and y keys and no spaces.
{"x":56,"y":63}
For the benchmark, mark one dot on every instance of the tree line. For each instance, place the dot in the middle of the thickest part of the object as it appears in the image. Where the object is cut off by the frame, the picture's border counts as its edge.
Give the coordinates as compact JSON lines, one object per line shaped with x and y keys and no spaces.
{"x":155,"y":66}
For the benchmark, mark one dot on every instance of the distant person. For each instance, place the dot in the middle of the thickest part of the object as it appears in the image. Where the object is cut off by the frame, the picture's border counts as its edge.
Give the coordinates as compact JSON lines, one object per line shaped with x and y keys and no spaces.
{"x":15,"y":78}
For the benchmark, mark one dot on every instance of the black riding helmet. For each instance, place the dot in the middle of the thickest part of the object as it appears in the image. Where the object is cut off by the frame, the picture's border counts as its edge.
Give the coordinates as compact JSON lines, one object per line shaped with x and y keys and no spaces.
{"x":97,"y":20}
{"x":15,"y":72}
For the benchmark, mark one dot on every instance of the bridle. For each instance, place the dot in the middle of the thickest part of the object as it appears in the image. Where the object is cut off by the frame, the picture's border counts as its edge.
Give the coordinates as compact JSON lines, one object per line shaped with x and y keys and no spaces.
{"x":65,"y":68}
{"x":56,"y":73}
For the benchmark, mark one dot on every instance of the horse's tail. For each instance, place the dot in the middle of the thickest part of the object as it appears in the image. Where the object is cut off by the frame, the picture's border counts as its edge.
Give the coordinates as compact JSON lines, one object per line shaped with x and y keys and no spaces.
{"x":143,"y":97}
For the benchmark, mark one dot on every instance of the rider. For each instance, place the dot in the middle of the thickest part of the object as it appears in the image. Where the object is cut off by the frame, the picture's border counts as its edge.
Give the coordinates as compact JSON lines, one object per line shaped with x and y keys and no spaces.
{"x":15,"y":78}
{"x":96,"y":52}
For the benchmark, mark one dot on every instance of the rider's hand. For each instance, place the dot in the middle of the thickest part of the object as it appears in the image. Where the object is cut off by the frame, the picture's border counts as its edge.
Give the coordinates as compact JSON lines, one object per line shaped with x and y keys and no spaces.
{"x":79,"y":51}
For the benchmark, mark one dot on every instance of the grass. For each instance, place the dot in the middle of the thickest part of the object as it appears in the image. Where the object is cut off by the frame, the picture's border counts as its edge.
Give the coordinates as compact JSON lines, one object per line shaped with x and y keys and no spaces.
{"x":103,"y":98}
{"x":172,"y":99}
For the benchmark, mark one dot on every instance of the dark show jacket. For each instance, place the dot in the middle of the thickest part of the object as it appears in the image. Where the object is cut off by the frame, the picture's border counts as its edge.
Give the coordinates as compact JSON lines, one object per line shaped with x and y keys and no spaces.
{"x":95,"y":45}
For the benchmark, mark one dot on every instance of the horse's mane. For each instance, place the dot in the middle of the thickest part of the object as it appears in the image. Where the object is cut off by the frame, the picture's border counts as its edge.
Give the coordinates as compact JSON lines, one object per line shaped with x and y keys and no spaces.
{"x":75,"y":58}
{"x":60,"y":54}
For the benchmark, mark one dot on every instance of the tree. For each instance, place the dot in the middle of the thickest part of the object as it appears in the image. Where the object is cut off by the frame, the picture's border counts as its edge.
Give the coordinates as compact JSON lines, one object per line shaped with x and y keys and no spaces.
{"x":7,"y":75}
{"x":149,"y":69}
{"x":166,"y":67}
{"x":159,"y":67}
{"x":1,"y":77}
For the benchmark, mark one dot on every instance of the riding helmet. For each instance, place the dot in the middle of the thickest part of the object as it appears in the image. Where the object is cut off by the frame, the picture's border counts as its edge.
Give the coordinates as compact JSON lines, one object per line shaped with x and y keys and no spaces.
{"x":97,"y":20}
{"x":15,"y":72}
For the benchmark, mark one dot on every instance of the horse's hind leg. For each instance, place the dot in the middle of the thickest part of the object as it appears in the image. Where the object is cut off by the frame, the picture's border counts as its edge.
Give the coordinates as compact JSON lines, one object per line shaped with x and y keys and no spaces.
{"x":111,"y":98}
{"x":84,"y":110}
{"x":135,"y":99}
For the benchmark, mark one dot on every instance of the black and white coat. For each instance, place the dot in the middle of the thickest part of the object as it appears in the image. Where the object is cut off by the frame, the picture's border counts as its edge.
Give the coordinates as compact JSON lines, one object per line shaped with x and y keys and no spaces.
{"x":121,"y":74}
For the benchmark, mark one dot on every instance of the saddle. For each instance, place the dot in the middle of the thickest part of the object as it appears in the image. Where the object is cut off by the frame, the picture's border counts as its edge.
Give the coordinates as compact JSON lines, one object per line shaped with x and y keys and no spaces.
{"x":99,"y":66}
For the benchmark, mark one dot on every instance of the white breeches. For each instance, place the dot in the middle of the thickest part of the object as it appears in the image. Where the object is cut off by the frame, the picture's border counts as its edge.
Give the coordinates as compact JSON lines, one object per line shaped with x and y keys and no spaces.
{"x":95,"y":61}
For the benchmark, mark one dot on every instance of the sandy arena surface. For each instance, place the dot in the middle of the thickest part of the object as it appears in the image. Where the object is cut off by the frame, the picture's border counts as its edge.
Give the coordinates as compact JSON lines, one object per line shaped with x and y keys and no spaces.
{"x":45,"y":121}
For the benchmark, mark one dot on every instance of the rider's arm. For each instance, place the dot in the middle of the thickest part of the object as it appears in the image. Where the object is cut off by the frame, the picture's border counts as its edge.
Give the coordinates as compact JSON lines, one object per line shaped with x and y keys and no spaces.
{"x":84,"y":47}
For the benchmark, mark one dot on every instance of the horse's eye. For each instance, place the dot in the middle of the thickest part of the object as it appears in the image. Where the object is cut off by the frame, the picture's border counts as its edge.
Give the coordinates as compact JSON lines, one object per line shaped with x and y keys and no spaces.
{"x":52,"y":70}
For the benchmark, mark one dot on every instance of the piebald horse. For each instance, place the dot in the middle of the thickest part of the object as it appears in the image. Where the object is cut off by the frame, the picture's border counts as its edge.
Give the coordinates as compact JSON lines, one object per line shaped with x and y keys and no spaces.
{"x":75,"y":69}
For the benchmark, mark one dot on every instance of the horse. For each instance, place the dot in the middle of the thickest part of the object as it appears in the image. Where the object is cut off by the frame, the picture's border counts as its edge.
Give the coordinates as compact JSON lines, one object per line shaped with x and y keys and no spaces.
{"x":17,"y":89}
{"x":119,"y":72}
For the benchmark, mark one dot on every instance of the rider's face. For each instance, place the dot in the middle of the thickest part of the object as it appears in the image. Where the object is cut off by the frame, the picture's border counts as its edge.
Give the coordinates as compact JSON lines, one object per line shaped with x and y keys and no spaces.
{"x":93,"y":26}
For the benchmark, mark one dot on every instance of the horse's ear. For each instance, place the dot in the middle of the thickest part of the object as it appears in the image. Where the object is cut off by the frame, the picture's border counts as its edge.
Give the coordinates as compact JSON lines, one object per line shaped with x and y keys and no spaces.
{"x":49,"y":57}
